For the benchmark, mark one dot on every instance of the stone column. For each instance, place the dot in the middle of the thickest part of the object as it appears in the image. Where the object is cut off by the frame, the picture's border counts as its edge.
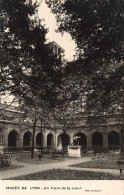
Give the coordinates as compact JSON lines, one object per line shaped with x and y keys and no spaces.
{"x":44,"y":139}
{"x":2,"y":142}
{"x":55,"y":140}
{"x":105,"y":140}
{"x":19,"y":140}
{"x":89,"y":139}
{"x":71,"y":138}
{"x":5,"y":138}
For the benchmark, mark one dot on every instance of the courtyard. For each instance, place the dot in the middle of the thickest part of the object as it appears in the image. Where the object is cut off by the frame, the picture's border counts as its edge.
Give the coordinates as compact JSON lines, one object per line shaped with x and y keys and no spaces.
{"x":61,"y":168}
{"x":52,"y":103}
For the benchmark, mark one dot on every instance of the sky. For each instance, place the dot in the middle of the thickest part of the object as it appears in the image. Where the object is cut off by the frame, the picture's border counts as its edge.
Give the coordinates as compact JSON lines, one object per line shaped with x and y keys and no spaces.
{"x":64,"y":41}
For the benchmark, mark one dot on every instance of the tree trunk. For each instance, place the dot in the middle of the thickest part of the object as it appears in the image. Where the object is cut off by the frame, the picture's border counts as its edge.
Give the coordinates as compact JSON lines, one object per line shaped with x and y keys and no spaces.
{"x":32,"y":149}
{"x":64,"y":143}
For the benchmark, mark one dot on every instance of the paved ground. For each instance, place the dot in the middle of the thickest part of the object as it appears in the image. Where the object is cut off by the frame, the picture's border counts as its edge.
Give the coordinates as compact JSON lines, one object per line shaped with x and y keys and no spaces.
{"x":33,"y":168}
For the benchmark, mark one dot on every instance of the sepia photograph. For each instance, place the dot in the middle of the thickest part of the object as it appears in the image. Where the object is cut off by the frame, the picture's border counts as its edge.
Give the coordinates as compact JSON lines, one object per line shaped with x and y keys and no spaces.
{"x":61,"y":93}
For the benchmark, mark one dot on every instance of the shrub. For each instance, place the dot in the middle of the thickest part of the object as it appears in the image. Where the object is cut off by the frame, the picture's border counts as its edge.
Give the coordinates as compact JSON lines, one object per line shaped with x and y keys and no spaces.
{"x":40,"y":156}
{"x":5,"y":161}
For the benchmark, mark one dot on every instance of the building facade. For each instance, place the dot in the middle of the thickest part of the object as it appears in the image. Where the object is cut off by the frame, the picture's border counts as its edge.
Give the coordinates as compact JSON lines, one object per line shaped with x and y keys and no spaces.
{"x":17,"y":134}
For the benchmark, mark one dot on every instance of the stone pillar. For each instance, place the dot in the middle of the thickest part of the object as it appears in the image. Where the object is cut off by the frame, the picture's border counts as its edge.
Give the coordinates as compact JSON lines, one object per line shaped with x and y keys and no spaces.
{"x":55,"y":140}
{"x":89,"y":139}
{"x":5,"y":138}
{"x":45,"y":139}
{"x":19,"y":140}
{"x":1,"y":143}
{"x":71,"y":138}
{"x":105,"y":139}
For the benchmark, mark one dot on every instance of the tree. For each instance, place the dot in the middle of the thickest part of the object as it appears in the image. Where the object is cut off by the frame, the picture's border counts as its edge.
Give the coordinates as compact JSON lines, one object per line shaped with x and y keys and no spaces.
{"x":29,"y":69}
{"x":63,"y":113}
{"x":34,"y":116}
{"x":26,"y":116}
{"x":27,"y":65}
{"x":97,"y":28}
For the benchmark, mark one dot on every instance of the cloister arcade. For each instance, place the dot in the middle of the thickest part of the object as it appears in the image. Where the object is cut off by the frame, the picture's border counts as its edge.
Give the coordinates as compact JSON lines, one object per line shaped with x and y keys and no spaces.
{"x":57,"y":140}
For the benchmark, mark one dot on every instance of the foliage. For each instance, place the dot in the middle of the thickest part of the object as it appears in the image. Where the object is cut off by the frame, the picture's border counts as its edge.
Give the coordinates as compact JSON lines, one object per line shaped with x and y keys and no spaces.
{"x":40,"y":156}
{"x":46,"y":158}
{"x":97,"y":28}
{"x":65,"y":174}
{"x":28,"y":67}
{"x":5,"y":161}
{"x":34,"y":117}
{"x":99,"y":164}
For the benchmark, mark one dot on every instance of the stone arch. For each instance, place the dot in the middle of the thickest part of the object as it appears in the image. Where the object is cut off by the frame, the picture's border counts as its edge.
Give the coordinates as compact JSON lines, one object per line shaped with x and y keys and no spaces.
{"x":27,"y":139}
{"x":63,"y":140}
{"x":39,"y":139}
{"x":82,"y":141}
{"x":50,"y":140}
{"x":97,"y":139}
{"x":113,"y":138}
{"x":12,"y":138}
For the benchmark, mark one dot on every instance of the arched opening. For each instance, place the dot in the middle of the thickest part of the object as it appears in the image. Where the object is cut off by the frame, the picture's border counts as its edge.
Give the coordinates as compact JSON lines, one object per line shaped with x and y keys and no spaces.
{"x":50,"y":140}
{"x":27,"y":139}
{"x":97,"y":139}
{"x":12,"y":138}
{"x":39,"y":139}
{"x":63,"y":140}
{"x":113,"y":138}
{"x":80,"y":139}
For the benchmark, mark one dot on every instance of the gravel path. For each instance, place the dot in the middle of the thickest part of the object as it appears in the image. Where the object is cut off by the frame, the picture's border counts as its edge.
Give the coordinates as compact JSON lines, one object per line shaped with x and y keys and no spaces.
{"x":34,"y":168}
